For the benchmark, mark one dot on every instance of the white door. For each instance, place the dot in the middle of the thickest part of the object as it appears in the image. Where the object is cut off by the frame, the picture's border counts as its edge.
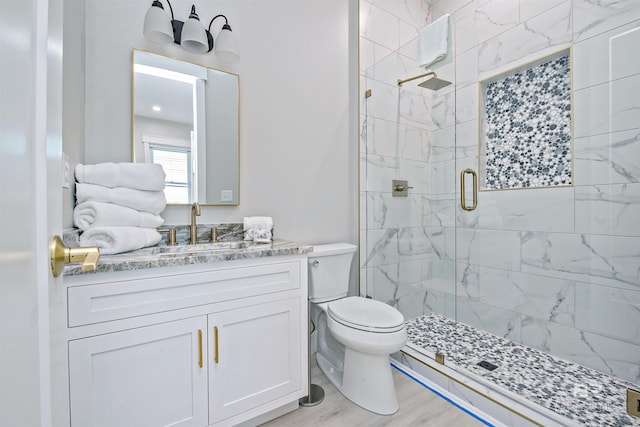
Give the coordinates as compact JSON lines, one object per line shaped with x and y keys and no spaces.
{"x":254,"y":357}
{"x":30,"y":201}
{"x":151,"y":376}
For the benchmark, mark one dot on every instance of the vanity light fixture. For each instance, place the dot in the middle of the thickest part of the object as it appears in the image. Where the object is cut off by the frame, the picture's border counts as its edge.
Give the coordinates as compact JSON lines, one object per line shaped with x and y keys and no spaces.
{"x":191,"y":35}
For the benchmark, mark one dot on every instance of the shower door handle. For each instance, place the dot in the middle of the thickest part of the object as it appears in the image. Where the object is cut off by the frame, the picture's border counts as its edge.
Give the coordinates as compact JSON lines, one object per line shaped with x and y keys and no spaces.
{"x":463,"y":202}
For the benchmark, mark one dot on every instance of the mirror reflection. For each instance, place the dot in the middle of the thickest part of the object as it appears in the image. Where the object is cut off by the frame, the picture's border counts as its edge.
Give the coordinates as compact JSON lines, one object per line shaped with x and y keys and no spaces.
{"x":185,"y":117}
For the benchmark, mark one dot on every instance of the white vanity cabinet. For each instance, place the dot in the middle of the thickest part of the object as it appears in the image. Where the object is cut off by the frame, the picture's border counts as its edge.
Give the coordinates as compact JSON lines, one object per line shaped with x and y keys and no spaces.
{"x":250,"y":357}
{"x":147,"y":376}
{"x":210,"y":344}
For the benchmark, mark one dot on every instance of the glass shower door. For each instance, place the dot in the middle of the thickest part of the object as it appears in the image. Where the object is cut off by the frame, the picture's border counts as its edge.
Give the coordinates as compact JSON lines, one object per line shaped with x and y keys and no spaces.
{"x":550,"y":257}
{"x":407,"y":134}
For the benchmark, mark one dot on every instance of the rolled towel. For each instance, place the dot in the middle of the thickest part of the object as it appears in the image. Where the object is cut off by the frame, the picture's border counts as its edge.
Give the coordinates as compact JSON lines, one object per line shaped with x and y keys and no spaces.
{"x":115,"y":240}
{"x":139,"y":176}
{"x":100,"y":214}
{"x":140,"y":200}
{"x":258,"y":228}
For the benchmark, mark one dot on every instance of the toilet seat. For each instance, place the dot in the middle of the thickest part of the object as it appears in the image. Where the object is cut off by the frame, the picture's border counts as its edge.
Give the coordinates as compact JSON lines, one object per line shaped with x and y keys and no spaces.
{"x":366,"y":315}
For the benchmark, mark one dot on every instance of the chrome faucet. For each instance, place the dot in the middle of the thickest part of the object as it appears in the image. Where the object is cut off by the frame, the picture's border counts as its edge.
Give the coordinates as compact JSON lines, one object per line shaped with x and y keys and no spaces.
{"x":193,"y":231}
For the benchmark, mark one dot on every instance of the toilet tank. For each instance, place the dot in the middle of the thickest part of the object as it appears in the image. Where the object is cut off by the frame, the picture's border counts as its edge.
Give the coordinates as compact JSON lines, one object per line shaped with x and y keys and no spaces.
{"x":329,"y":271}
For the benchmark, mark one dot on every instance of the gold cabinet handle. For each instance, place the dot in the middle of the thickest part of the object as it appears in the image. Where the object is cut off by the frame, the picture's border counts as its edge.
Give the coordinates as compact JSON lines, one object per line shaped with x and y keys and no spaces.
{"x":215,"y":343}
{"x":463,"y":202}
{"x":200,"y":360}
{"x":60,"y":255}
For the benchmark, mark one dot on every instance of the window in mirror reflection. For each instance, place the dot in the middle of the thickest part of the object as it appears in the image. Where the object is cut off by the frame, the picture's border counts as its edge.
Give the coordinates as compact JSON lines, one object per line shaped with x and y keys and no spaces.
{"x":176,"y":162}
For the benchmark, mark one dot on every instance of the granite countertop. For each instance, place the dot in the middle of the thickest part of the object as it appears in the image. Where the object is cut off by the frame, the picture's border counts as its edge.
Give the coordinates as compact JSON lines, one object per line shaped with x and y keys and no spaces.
{"x":168,"y":256}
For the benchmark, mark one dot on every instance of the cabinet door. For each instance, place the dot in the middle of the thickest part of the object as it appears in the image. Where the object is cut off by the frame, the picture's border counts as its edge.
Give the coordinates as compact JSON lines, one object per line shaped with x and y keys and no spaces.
{"x":258,"y":353}
{"x":147,"y":376}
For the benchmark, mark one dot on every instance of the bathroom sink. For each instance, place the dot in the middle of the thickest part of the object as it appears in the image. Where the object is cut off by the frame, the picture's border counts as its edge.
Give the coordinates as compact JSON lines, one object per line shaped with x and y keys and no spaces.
{"x":196,"y":248}
{"x":201,"y":247}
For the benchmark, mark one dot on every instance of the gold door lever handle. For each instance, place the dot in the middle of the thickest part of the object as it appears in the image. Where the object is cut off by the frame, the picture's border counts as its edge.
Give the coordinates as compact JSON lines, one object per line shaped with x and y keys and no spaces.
{"x":61,"y":255}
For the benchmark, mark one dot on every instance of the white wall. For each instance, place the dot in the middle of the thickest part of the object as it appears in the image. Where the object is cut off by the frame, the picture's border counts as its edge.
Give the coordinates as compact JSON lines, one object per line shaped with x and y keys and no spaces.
{"x":298,"y":112}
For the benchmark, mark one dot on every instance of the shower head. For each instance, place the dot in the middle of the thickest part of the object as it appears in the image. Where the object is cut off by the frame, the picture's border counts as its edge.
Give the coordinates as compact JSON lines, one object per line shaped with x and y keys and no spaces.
{"x":434,"y":83}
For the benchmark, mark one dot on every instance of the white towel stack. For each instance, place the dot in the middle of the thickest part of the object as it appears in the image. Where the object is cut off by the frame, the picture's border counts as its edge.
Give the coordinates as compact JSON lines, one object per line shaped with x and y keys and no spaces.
{"x":118,"y":205}
{"x":258,"y":228}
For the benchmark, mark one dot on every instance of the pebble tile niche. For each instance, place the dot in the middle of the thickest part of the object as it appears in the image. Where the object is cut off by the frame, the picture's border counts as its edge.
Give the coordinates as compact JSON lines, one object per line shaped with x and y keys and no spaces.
{"x":525,"y":135}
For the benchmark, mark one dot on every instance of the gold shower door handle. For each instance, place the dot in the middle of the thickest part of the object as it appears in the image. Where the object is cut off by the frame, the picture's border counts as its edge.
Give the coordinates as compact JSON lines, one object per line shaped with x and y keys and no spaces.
{"x":463,"y":202}
{"x":60,"y":255}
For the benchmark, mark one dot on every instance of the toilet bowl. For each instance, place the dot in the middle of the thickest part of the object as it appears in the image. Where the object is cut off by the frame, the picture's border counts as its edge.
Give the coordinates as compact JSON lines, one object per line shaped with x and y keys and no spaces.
{"x":355,"y":335}
{"x":379,"y":328}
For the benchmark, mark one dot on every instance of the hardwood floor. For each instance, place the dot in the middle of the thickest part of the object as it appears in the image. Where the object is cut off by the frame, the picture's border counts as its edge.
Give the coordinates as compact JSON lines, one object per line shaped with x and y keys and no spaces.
{"x":418,"y":407}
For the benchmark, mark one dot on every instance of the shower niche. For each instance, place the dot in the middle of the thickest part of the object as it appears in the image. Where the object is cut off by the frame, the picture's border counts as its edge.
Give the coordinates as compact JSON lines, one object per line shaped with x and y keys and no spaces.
{"x":525,"y":126}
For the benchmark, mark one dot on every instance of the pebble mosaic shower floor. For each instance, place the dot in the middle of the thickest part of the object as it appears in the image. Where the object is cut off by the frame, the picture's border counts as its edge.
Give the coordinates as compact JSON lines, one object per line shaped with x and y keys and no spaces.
{"x":578,"y":393}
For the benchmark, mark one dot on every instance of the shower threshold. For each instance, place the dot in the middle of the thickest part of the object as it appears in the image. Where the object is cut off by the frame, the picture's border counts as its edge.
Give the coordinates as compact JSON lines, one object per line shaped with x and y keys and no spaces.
{"x":524,"y":386}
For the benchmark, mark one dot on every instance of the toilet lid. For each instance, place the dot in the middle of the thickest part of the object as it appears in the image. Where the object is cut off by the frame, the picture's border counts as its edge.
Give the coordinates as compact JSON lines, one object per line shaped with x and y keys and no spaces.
{"x":364,"y":313}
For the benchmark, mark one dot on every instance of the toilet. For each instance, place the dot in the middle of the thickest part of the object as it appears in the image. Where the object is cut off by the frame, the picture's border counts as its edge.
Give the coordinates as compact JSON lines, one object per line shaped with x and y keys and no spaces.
{"x":355,"y":335}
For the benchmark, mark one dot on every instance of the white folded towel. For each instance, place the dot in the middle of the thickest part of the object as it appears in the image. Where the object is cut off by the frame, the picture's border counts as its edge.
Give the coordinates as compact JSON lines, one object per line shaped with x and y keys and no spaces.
{"x":100,"y":214}
{"x":114,"y":240}
{"x":139,"y":176}
{"x":258,"y":228}
{"x":140,"y":200}
{"x":433,"y":41}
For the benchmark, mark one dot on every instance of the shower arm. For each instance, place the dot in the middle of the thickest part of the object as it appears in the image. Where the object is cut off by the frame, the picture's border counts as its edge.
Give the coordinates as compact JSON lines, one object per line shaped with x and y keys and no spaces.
{"x":430,"y":73}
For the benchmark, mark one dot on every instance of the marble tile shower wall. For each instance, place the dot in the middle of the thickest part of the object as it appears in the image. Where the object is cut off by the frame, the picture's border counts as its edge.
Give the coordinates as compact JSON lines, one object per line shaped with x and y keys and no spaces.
{"x":557,"y":269}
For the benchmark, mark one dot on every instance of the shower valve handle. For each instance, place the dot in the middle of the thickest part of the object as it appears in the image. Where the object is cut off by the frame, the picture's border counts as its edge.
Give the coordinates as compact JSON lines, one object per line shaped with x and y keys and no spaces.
{"x":401,"y":187}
